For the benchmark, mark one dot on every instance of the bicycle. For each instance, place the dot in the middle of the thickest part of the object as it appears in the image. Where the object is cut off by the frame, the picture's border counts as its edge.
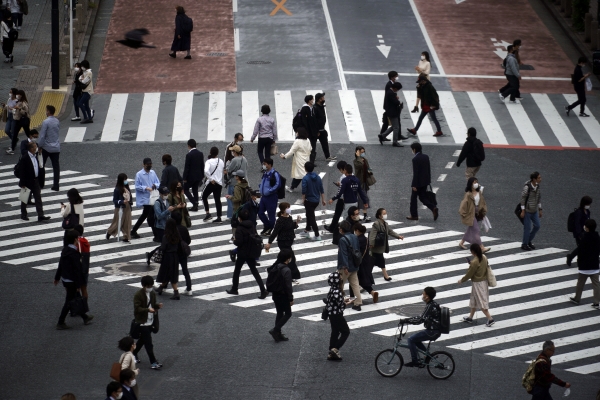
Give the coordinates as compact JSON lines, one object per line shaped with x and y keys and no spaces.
{"x":389,"y":362}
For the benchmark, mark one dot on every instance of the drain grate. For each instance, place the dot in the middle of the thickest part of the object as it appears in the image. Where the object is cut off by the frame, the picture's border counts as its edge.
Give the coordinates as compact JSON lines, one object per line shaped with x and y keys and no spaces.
{"x":258,"y":62}
{"x":216,"y":54}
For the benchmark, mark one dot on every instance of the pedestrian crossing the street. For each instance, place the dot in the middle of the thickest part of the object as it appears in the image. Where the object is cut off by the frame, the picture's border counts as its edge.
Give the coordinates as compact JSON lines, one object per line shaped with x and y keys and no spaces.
{"x":530,"y":304}
{"x":353,"y":116}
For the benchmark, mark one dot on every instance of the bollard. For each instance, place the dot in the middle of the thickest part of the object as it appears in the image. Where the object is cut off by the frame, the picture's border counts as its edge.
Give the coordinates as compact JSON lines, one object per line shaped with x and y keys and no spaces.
{"x":588,"y":27}
{"x":568,"y":8}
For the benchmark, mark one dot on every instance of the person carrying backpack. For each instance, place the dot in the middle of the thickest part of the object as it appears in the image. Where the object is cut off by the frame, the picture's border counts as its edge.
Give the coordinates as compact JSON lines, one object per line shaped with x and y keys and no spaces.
{"x":542,"y":377}
{"x":473,"y":152}
{"x":431,"y":318}
{"x":183,"y":34}
{"x":279,"y":283}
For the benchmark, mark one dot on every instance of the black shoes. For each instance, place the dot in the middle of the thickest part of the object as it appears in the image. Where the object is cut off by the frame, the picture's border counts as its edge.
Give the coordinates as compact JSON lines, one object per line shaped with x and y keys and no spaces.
{"x":569,"y":260}
{"x":175,"y":295}
{"x":134,"y":235}
{"x":62,"y":327}
{"x":403,"y":137}
{"x":413,"y":364}
{"x":356,"y":308}
{"x":159,"y":290}
{"x":380,"y":137}
{"x":397,"y":145}
{"x":43,"y":219}
{"x":531,"y":246}
{"x":231,"y":291}
{"x":207,"y":218}
{"x":217,"y":221}
{"x":435,"y":214}
{"x":266,"y":232}
{"x":525,"y":247}
{"x":24,"y":217}
{"x":263,"y":295}
{"x":275,"y":335}
{"x":172,"y":55}
{"x":187,"y":57}
{"x":55,"y":188}
{"x":568,"y":110}
{"x":148,"y":259}
{"x":107,"y":236}
{"x":389,"y":278}
{"x":194,"y":208}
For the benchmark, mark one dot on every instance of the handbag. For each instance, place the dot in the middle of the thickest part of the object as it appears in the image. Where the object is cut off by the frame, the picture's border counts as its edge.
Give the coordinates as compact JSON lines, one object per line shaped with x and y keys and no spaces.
{"x":371,"y":179}
{"x":491,"y":278}
{"x":485,"y":224}
{"x":430,"y":196}
{"x":274,"y":149}
{"x":155,"y":322}
{"x":157,"y":256}
{"x":518,"y":208}
{"x":115,"y":371}
{"x":588,"y":86}
{"x":78,"y":306}
{"x":380,"y":238}
{"x":4,"y":114}
{"x":185,"y":248}
{"x":134,"y":330}
{"x":71,"y":220}
{"x":154,"y":195}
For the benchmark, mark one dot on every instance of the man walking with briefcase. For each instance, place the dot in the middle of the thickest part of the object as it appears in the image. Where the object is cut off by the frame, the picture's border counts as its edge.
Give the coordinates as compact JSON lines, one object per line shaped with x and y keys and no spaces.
{"x":421,"y":179}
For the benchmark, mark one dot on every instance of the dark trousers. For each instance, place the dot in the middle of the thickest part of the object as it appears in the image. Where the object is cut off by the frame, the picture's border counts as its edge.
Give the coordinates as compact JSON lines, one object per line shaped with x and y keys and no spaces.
{"x":145,"y":340}
{"x":18,"y":124}
{"x":7,"y":47}
{"x":339,"y":331}
{"x":54,"y":157}
{"x":433,"y":118}
{"x":71,"y":288}
{"x":264,"y":147}
{"x":184,"y":270}
{"x":147,"y":212}
{"x":339,"y":209}
{"x":384,"y":123}
{"x":311,"y":220}
{"x":284,"y":310}
{"x":580,"y":100}
{"x":239,"y":263}
{"x":541,"y":393}
{"x":420,"y":193}
{"x":295,"y":183}
{"x":37,"y":195}
{"x":193,"y":196}
{"x":76,"y":105}
{"x":268,"y":205}
{"x":287,"y":244}
{"x":513,"y":89}
{"x":17,"y":19}
{"x":505,"y":87}
{"x":84,"y":104}
{"x":215,"y":190}
{"x":324,"y":139}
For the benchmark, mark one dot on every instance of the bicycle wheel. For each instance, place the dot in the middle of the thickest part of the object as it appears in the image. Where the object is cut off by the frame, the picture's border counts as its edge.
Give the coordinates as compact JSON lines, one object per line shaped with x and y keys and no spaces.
{"x":388,"y":363}
{"x":441,"y":365}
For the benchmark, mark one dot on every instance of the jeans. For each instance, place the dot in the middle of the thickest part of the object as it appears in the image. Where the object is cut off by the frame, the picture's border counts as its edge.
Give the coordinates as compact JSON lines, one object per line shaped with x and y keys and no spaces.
{"x":71,"y":288}
{"x":215,"y":190}
{"x":184,"y":270}
{"x":17,"y":125}
{"x":394,"y":125}
{"x":339,"y":331}
{"x":311,"y":220}
{"x":528,"y":233}
{"x":193,"y":196}
{"x":540,"y":393}
{"x":264,"y":147}
{"x":10,"y":123}
{"x":37,"y":195}
{"x":284,"y":310}
{"x":239,"y":263}
{"x":268,"y":204}
{"x":17,"y":19}
{"x":433,"y":118}
{"x":230,"y":209}
{"x":145,"y":340}
{"x":513,"y":89}
{"x":84,"y":104}
{"x":580,"y":100}
{"x":420,"y":193}
{"x":417,"y":339}
{"x":147,"y":212}
{"x":54,"y":157}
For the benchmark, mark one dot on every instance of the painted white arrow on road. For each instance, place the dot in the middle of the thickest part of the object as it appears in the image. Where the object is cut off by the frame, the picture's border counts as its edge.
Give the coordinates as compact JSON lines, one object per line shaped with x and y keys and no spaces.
{"x":460,"y":1}
{"x":385,"y":50}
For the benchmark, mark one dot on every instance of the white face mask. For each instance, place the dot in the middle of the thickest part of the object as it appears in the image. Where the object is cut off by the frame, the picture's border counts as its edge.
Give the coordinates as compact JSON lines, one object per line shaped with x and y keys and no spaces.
{"x":233,"y":153}
{"x":288,"y":261}
{"x":148,"y":290}
{"x":76,"y":69}
{"x":475,"y":185}
{"x":587,"y":207}
{"x":384,"y":216}
{"x":132,"y":383}
{"x":355,"y":217}
{"x":288,"y":211}
{"x":422,"y":57}
{"x":119,"y":396}
{"x":125,"y":182}
{"x":18,"y":97}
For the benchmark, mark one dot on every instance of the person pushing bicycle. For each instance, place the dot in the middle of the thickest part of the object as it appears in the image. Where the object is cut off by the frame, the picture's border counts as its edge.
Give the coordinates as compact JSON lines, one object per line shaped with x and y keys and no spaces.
{"x":431,"y":318}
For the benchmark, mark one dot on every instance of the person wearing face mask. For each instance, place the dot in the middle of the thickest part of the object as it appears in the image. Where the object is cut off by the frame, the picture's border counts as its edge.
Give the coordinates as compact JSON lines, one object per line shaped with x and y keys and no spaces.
{"x":269,"y":185}
{"x":7,"y":38}
{"x":9,"y":106}
{"x":280,"y":285}
{"x":176,"y":199}
{"x":300,"y":149}
{"x":49,"y":142}
{"x":237,"y":162}
{"x":393,"y":77}
{"x":480,"y":291}
{"x":266,"y":130}
{"x":122,"y":201}
{"x":128,"y":383}
{"x":33,"y":137}
{"x":114,"y":391}
{"x":309,"y":123}
{"x":170,"y":173}
{"x":77,"y":90}
{"x":87,"y":90}
{"x":346,"y":265}
{"x":162,"y":213}
{"x":578,"y":80}
{"x":128,"y":362}
{"x":29,"y":177}
{"x":365,"y":269}
{"x":431,"y":318}
{"x":580,"y":215}
{"x":379,"y":240}
{"x":145,"y":311}
{"x":312,"y":192}
{"x":531,"y":210}
{"x":352,"y":218}
{"x":588,"y":254}
{"x":363,"y":172}
{"x":473,"y":209}
{"x":350,"y":190}
{"x":145,"y":182}
{"x":393,"y":107}
{"x":421,"y":179}
{"x":284,"y":233}
{"x":213,"y":173}
{"x":322,"y":135}
{"x":184,"y":234}
{"x":238,"y":139}
{"x":21,"y":118}
{"x":424,"y":67}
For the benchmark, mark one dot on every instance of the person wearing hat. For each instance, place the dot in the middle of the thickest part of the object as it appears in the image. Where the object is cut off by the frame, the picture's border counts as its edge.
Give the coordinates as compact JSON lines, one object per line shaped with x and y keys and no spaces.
{"x":321,"y":117}
{"x":266,"y":130}
{"x":393,"y":107}
{"x":235,"y":163}
{"x":430,"y":101}
{"x":145,"y":182}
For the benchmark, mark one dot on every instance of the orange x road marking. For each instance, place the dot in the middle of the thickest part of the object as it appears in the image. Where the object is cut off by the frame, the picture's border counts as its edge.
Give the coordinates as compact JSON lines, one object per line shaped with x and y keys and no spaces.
{"x":280,"y":7}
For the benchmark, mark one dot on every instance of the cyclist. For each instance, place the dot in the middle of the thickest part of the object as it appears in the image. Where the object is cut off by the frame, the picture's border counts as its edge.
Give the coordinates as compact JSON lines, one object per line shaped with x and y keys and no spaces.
{"x":432,"y":318}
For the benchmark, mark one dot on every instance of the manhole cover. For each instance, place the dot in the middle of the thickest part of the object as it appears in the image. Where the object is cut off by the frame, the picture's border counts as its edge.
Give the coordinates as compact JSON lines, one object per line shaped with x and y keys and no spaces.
{"x":131,"y":268}
{"x":25,"y":67}
{"x":216,"y":54}
{"x":258,"y":62}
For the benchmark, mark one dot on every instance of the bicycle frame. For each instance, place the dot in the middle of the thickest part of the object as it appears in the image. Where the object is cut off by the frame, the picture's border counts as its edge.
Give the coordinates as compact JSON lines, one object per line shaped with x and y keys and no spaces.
{"x":398,"y":344}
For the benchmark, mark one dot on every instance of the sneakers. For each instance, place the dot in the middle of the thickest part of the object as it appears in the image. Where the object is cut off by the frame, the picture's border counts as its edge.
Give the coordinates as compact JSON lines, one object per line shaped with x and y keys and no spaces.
{"x":567,"y":110}
{"x":207,"y":218}
{"x":217,"y":221}
{"x":88,"y":319}
{"x":10,"y":152}
{"x":515,"y":101}
{"x":468,"y":320}
{"x":275,"y":334}
{"x":334,"y":355}
{"x":414,"y":364}
{"x":295,"y":281}
{"x":156,"y":365}
{"x":304,"y":235}
{"x":531,"y":246}
{"x":298,"y":202}
{"x":317,"y":238}
{"x":232,"y":255}
{"x":583,"y":114}
{"x":331,"y":158}
{"x":76,"y":119}
{"x":525,"y":247}
{"x":490,"y":322}
{"x":572,"y":299}
{"x":502,"y":98}
{"x":596,"y":306}
{"x":62,"y":327}
{"x":188,"y":292}
{"x":366,"y":218}
{"x":357,"y":308}
{"x":289,"y":189}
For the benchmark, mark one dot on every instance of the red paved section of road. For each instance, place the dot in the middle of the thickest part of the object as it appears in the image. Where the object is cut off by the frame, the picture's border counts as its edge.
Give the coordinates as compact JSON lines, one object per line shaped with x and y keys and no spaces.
{"x":461,"y":35}
{"x":126,"y":70}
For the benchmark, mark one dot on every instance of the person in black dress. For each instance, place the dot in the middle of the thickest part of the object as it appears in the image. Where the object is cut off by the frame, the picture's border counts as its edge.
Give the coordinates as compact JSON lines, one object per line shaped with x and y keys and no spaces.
{"x":284,"y":233}
{"x":183,"y":38}
{"x":169,"y":265}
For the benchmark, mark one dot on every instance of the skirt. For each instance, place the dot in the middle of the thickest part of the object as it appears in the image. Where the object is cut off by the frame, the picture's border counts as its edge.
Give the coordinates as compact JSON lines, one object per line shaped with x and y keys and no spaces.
{"x":169,"y":268}
{"x":472,"y":233}
{"x":125,"y":223}
{"x":480,"y":295}
{"x":379,"y":260}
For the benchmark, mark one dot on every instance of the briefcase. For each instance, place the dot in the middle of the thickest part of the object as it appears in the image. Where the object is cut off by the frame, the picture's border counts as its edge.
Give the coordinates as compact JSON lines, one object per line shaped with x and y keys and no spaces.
{"x":430,"y":196}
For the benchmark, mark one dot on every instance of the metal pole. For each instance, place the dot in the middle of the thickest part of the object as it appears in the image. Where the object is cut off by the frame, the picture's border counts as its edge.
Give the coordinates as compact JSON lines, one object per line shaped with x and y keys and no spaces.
{"x":71,"y":35}
{"x":55,"y":30}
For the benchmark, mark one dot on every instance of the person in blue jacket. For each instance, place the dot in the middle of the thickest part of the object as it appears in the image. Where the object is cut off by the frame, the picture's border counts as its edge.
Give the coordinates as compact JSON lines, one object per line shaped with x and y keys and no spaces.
{"x":268,"y":203}
{"x":350,"y":190}
{"x":312,"y":192}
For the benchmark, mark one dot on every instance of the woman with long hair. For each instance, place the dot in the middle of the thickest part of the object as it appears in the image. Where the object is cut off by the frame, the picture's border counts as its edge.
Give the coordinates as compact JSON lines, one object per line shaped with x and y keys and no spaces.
{"x":472,"y":210}
{"x":182,"y":41}
{"x":177,"y":199}
{"x":424,"y":67}
{"x":283,"y":231}
{"x":77,"y":91}
{"x":379,"y":240}
{"x":301,"y":149}
{"x":581,"y":215}
{"x":21,"y":119}
{"x":75,"y":203}
{"x":169,"y":266}
{"x":122,"y":201}
{"x":213,"y":173}
{"x":480,"y":291}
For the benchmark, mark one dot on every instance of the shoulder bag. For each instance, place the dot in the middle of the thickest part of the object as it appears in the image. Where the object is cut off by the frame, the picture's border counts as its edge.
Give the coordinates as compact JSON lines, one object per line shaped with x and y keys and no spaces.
{"x":518,"y":208}
{"x":380,"y":238}
{"x":185,"y":248}
{"x":71,"y":220}
{"x":115,"y":371}
{"x":491,"y":278}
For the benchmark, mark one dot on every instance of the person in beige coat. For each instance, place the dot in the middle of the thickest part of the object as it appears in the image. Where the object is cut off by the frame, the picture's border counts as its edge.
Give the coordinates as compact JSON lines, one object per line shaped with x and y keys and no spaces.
{"x":301,"y":151}
{"x":377,"y":249}
{"x":127,"y":359}
{"x":480,"y":291}
{"x":472,"y":210}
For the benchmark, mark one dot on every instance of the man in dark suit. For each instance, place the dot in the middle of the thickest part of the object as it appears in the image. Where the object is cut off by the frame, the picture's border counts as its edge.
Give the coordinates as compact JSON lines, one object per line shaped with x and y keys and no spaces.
{"x":393,"y":76}
{"x":421,"y":179}
{"x":170,"y":174}
{"x":128,"y":382}
{"x":193,"y":172}
{"x":33,"y":134}
{"x":309,"y":122}
{"x":29,"y":171}
{"x":393,"y":107}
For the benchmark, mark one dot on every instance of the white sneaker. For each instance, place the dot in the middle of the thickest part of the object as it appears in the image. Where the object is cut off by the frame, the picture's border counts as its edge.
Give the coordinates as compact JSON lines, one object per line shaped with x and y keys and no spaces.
{"x":288,"y":189}
{"x":188,"y":292}
{"x":298,"y":202}
{"x":76,"y":119}
{"x":304,"y":235}
{"x":515,"y":101}
{"x":501,"y":97}
{"x":9,"y":151}
{"x":317,"y":238}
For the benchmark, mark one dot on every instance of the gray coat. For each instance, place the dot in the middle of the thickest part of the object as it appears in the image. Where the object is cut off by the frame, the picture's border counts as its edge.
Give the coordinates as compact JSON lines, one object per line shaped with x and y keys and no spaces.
{"x":381,"y":226}
{"x":512,"y":66}
{"x":235,"y":164}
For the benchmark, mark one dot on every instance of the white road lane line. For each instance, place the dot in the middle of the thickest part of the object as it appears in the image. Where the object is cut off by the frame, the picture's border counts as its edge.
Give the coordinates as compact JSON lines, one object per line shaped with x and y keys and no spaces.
{"x":524,"y":124}
{"x":334,"y":46}
{"x":453,"y":116}
{"x":75,"y":134}
{"x":114,"y":118}
{"x":284,"y":114}
{"x":216,"y":116}
{"x":557,"y":124}
{"x":487,"y":118}
{"x":425,"y":132}
{"x":148,"y":118}
{"x":182,"y":119}
{"x":250,"y":112}
{"x":589,"y":123}
{"x":378,"y":97}
{"x":354,"y":124}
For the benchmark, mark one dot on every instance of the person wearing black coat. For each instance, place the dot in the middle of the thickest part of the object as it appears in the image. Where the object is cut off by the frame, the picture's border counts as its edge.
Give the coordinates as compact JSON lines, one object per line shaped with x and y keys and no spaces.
{"x":421,"y":179}
{"x":182,"y":40}
{"x":30,"y":172}
{"x":392,"y":106}
{"x":309,"y":122}
{"x":588,"y":254}
{"x":70,"y":273}
{"x":284,"y":233}
{"x":193,"y":173}
{"x":352,"y":218}
{"x":393,"y":76}
{"x":170,"y":174}
{"x":284,"y":297}
{"x":171,"y":253}
{"x":365,"y":270}
{"x":247,"y":252}
{"x":581,"y":215}
{"x":473,"y":152}
{"x":321,"y":119}
{"x":578,"y":81}
{"x":184,"y":234}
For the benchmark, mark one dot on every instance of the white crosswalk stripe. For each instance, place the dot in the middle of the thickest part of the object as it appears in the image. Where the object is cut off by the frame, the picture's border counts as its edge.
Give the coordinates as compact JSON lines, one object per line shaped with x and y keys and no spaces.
{"x":530,"y":304}
{"x":353,"y":108}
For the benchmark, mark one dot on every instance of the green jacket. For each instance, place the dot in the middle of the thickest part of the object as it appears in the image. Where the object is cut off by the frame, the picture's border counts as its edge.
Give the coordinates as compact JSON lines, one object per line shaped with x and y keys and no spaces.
{"x":381,"y":226}
{"x":140,"y":305}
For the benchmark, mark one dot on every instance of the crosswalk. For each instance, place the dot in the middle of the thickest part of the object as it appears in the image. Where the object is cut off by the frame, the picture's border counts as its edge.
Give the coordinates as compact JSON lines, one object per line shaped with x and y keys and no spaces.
{"x":530,"y":303}
{"x":353,"y":116}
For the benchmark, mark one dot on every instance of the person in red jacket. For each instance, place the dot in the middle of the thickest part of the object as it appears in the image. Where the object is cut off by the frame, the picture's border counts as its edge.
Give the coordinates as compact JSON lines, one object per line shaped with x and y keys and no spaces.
{"x":544,"y":378}
{"x":84,"y":249}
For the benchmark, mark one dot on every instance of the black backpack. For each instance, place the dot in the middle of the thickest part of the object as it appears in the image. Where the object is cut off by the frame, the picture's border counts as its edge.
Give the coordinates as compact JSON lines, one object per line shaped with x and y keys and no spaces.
{"x":444,"y":320}
{"x":354,"y":253}
{"x":13,"y":34}
{"x":478,"y":150}
{"x":571,"y":221}
{"x":281,"y":188}
{"x":297,"y":121}
{"x":188,"y":24}
{"x":17,"y":169}
{"x":257,"y":244}
{"x":275,"y":283}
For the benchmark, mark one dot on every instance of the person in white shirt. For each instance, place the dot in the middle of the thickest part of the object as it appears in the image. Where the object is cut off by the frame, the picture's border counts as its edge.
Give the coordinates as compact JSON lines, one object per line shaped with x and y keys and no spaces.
{"x":7,"y":43}
{"x":213,"y":174}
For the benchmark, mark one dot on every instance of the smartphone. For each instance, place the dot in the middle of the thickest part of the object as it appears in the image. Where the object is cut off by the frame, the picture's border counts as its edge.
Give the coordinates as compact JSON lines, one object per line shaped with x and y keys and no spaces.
{"x":469,"y":259}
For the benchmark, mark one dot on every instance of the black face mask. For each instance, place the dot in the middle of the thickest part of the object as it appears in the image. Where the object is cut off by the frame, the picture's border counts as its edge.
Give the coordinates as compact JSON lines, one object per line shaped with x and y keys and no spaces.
{"x":147,"y":167}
